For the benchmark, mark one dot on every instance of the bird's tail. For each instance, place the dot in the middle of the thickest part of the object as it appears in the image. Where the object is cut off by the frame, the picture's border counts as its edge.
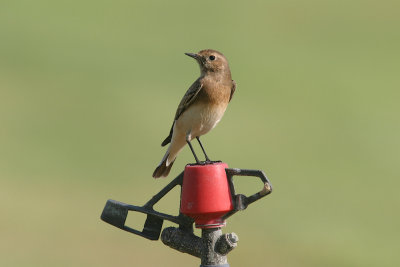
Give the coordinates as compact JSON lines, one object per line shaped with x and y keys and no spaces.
{"x":162,"y":170}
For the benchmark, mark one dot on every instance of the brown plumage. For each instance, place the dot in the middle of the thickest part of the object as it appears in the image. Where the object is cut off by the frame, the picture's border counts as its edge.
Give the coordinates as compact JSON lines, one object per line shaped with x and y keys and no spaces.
{"x":201,"y":108}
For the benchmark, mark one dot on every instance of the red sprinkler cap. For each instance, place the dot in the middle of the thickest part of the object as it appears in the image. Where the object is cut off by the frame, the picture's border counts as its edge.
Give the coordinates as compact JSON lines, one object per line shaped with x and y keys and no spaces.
{"x":206,"y":195}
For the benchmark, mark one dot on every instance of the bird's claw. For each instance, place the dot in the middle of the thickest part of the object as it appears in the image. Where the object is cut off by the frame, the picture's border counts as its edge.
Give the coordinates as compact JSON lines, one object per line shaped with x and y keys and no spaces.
{"x":206,"y":162}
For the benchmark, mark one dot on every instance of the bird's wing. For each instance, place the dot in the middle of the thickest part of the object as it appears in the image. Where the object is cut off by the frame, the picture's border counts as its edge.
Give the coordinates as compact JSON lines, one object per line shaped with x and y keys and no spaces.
{"x":186,"y":101}
{"x":232,"y":90}
{"x":189,"y":97}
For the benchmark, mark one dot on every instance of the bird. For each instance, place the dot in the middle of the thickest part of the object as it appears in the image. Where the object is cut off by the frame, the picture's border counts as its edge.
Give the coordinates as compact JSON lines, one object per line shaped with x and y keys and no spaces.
{"x":200,"y":109}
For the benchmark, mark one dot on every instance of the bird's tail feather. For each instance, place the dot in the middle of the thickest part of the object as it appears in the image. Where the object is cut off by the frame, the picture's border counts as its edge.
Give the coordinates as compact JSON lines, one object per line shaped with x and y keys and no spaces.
{"x":162,"y":169}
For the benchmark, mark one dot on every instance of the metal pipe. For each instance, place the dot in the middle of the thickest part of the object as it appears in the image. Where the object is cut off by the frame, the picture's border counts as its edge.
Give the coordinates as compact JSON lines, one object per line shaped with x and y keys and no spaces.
{"x":183,"y":241}
{"x":211,"y":248}
{"x":210,"y":257}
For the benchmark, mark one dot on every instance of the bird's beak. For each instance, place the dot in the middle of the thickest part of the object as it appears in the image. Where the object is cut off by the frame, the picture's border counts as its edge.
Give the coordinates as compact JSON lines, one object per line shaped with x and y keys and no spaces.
{"x":195,"y":56}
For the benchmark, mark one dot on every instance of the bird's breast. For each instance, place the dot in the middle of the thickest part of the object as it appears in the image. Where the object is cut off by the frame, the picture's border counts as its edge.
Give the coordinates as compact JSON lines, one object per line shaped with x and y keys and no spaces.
{"x":215,"y":93}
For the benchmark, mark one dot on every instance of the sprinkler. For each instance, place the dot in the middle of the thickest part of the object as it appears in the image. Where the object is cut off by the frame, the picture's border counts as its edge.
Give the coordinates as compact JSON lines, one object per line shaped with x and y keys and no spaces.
{"x":207,"y":200}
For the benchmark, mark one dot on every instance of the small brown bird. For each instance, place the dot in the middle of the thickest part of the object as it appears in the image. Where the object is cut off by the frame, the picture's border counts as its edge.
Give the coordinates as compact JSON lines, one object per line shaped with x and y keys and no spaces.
{"x":200,"y":109}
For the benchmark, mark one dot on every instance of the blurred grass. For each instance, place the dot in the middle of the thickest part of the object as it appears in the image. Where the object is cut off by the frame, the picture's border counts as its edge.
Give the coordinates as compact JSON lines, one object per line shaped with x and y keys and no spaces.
{"x":88,"y":90}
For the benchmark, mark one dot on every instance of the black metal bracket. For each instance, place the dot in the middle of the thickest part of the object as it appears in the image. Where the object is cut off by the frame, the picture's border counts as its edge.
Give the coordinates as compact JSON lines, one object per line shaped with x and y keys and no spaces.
{"x":240,"y":202}
{"x":115,"y":213}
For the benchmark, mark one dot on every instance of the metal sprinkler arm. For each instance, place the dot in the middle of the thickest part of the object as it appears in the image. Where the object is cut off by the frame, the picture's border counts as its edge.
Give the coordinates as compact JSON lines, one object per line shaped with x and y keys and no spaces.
{"x":115,"y":213}
{"x":240,"y":201}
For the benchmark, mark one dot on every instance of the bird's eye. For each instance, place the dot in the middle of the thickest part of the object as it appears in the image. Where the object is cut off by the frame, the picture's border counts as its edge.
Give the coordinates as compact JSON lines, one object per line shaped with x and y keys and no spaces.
{"x":212,"y":57}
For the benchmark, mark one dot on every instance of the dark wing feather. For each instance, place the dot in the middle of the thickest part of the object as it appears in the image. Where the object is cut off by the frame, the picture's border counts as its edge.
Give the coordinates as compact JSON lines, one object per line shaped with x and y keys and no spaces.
{"x":189,"y":97}
{"x":232,"y":90}
{"x":186,"y":101}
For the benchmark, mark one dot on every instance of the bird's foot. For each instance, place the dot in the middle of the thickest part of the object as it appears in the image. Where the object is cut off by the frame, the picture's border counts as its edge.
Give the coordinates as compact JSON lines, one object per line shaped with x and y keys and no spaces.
{"x":207,"y":162}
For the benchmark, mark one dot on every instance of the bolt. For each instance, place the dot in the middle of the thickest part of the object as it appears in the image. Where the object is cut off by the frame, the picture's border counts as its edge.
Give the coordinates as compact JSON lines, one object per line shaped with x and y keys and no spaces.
{"x":226,"y":243}
{"x":232,"y":237}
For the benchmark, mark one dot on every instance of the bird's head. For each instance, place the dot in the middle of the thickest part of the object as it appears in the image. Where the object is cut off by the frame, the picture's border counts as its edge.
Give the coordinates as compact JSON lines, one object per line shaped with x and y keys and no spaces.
{"x":211,"y":61}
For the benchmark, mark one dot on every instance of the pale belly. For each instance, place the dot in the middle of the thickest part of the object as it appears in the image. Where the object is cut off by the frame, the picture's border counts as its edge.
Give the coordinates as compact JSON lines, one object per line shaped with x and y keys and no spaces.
{"x":199,"y":120}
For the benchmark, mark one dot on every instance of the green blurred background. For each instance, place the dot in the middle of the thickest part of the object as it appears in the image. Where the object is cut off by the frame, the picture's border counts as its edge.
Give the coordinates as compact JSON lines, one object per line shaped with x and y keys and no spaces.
{"x":88,"y":90}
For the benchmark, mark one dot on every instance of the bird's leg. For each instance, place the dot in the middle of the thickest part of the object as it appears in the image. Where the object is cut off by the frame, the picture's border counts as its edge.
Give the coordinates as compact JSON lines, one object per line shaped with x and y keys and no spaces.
{"x":202,"y":148}
{"x":191,"y":148}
